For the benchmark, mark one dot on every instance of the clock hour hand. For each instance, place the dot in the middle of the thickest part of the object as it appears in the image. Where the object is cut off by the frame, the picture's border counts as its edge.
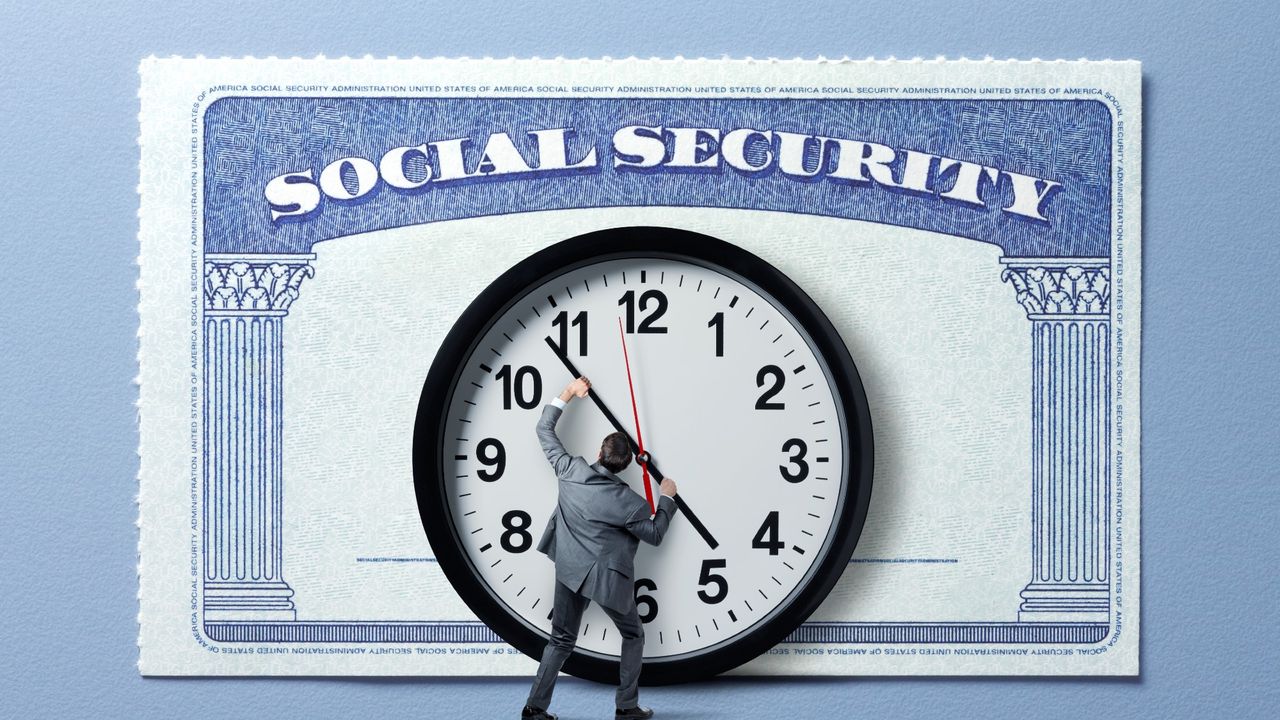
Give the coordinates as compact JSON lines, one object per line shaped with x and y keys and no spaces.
{"x":648,"y":462}
{"x":680,"y":503}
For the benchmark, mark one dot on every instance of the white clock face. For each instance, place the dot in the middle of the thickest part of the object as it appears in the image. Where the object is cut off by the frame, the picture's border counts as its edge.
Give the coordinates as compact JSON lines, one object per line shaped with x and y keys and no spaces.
{"x":735,"y":405}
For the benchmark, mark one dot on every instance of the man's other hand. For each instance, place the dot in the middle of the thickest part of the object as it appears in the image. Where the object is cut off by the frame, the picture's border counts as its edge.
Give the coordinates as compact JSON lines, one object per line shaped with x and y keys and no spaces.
{"x":577,"y":388}
{"x":668,"y":487}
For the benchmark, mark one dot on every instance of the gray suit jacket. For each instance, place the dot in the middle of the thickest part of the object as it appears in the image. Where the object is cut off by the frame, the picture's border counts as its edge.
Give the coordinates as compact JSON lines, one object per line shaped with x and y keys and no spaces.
{"x":598,"y":524}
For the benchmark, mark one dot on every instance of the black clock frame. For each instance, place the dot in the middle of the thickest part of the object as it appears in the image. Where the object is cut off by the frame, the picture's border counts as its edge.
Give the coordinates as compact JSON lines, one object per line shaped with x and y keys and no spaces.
{"x":659,"y":243}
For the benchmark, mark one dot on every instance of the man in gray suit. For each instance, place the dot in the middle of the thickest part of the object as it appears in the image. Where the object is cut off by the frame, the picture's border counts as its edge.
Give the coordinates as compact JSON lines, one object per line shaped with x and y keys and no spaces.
{"x":592,"y":537}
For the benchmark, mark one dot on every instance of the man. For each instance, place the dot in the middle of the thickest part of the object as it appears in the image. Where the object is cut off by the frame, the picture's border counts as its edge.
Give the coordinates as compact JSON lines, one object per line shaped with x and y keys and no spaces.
{"x":592,"y":538}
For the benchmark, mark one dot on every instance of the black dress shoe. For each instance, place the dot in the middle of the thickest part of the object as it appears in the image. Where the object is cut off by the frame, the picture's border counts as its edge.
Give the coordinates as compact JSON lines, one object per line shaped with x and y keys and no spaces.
{"x":533,"y":713}
{"x":635,"y":713}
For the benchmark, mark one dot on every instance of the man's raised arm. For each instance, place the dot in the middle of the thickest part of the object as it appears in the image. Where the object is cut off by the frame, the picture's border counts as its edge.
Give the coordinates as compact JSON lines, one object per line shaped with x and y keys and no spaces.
{"x":559,"y":458}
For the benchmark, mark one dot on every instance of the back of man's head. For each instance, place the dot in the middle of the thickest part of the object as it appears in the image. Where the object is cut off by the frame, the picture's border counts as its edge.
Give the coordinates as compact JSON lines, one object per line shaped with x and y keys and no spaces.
{"x":615,"y":452}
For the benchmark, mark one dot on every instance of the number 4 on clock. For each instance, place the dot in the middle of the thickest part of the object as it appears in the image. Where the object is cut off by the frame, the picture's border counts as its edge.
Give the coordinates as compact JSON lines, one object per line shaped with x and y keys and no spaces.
{"x":767,"y":536}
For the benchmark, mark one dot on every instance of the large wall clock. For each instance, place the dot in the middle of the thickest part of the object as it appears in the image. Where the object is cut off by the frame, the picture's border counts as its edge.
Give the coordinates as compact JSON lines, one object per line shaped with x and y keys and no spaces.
{"x":746,"y":396}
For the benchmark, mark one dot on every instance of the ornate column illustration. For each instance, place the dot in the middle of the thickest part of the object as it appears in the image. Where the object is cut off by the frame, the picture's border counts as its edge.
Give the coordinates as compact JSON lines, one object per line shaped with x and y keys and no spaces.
{"x":246,"y":298}
{"x":1068,"y":303}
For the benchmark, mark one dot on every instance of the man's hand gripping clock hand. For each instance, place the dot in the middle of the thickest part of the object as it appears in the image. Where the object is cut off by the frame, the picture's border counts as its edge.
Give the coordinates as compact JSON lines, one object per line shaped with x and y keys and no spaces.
{"x":579,"y":388}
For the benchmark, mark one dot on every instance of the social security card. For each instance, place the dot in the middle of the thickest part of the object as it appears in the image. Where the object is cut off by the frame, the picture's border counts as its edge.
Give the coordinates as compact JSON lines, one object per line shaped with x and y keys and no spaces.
{"x":312,"y":231}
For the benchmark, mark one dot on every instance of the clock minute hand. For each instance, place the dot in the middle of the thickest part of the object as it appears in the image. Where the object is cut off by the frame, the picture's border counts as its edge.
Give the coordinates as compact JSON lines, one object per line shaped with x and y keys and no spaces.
{"x":591,"y":392}
{"x":653,"y":468}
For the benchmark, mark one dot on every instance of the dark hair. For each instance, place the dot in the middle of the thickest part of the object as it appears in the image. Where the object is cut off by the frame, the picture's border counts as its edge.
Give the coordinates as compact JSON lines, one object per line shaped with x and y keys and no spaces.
{"x":615,"y":452}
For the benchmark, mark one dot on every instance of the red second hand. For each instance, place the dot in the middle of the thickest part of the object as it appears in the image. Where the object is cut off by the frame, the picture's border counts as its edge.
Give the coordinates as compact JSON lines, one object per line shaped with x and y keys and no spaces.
{"x":635,"y":414}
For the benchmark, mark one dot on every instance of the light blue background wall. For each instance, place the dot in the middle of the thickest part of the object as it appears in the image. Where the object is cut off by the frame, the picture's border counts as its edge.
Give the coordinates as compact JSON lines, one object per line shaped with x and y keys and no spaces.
{"x":68,"y":124}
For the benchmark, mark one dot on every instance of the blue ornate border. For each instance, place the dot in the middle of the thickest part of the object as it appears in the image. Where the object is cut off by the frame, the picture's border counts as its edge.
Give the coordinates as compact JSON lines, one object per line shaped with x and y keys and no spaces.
{"x":1061,"y":272}
{"x":463,"y":631}
{"x":248,"y":141}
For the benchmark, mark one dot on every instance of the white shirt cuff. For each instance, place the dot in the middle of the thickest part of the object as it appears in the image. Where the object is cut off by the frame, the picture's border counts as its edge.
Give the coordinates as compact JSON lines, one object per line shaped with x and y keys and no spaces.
{"x":557,"y":402}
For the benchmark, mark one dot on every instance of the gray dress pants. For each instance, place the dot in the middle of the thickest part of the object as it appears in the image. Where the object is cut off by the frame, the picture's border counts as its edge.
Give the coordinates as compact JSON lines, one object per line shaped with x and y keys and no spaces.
{"x":566,"y":616}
